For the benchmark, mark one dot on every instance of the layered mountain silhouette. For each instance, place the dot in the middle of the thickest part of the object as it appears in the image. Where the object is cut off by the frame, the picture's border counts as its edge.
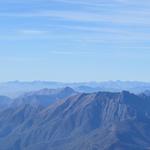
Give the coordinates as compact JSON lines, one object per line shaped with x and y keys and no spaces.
{"x":14,"y":89}
{"x":77,"y":121}
{"x":44,"y":97}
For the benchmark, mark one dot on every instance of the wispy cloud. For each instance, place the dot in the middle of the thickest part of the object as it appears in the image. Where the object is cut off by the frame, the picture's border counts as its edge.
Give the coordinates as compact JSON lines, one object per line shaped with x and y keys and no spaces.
{"x":32,"y":32}
{"x":127,"y":17}
{"x":70,"y":52}
{"x":117,"y":24}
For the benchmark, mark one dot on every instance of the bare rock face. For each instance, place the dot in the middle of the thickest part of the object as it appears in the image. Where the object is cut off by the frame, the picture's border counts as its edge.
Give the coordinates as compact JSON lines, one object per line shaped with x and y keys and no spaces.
{"x":96,"y":121}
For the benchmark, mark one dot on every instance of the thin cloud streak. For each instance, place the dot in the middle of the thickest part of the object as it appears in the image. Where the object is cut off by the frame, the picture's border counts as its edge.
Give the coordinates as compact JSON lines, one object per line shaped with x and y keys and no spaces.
{"x":61,"y":52}
{"x":32,"y":32}
{"x":127,"y":18}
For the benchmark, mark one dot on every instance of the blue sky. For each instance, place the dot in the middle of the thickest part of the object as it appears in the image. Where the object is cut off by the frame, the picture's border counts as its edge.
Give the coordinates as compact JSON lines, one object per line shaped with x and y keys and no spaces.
{"x":75,"y":40}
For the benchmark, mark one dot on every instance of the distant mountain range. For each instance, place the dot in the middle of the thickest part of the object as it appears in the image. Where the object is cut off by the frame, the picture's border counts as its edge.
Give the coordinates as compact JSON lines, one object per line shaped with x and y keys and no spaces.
{"x":44,"y":97}
{"x":64,"y":119}
{"x":17,"y":88}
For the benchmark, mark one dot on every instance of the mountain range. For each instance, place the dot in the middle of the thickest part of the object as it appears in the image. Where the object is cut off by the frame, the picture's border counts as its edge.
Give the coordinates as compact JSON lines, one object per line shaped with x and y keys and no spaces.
{"x":14,"y":89}
{"x":63,"y":119}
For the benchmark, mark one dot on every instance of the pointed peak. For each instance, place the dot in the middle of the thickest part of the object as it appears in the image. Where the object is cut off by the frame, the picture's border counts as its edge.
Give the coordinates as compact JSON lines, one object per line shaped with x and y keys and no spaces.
{"x":68,"y":89}
{"x":125,"y":93}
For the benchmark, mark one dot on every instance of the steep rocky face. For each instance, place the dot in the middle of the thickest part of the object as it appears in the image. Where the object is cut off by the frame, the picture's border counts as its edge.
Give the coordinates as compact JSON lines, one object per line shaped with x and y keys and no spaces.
{"x":96,"y":121}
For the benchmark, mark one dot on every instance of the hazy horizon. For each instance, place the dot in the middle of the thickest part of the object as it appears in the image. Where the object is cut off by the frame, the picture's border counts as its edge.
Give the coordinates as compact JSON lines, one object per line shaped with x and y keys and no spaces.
{"x":73,"y":81}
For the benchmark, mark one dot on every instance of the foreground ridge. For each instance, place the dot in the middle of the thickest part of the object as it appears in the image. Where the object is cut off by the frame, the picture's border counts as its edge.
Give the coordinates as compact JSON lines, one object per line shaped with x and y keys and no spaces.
{"x":93,"y":121}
